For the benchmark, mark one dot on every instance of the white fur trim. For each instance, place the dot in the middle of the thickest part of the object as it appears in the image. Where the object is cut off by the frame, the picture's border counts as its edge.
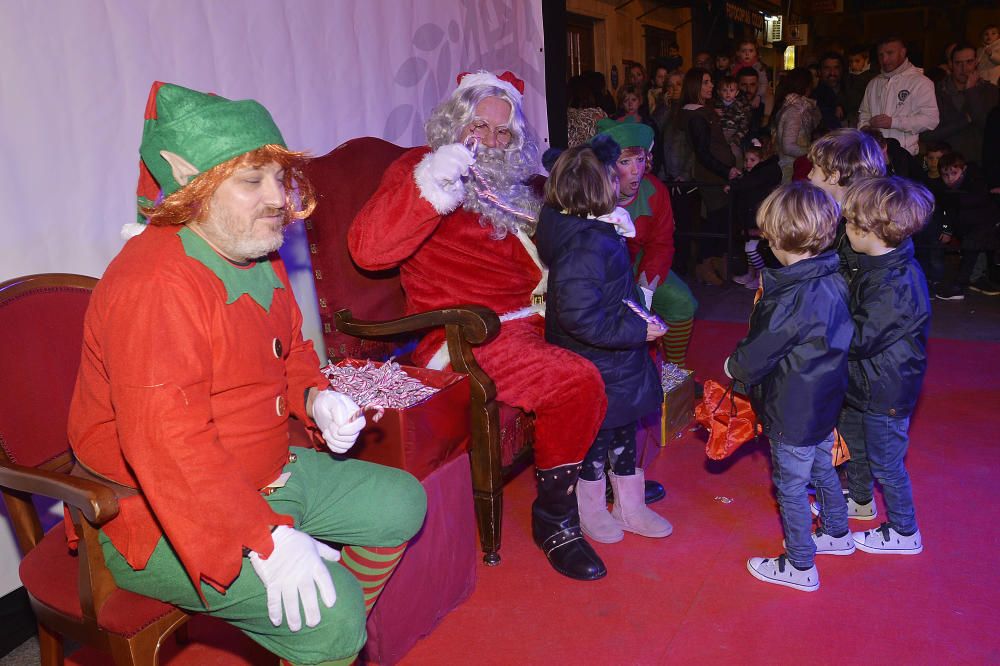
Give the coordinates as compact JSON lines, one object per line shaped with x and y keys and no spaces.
{"x":537,"y":309}
{"x":484,"y":78}
{"x":442,"y":358}
{"x":441,"y":199}
{"x":132,"y":229}
{"x":529,"y":247}
{"x":620,"y":219}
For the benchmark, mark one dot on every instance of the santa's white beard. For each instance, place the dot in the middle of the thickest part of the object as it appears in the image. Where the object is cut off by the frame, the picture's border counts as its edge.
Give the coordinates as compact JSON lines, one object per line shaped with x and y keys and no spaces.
{"x":506,"y":180}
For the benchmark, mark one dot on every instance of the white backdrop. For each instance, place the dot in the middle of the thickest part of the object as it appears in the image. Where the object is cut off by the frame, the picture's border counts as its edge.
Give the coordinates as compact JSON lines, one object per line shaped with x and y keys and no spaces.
{"x":75,"y":74}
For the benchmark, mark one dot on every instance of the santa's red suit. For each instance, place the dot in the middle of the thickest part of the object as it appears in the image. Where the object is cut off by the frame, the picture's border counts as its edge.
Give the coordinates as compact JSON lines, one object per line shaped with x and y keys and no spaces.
{"x":451,"y":259}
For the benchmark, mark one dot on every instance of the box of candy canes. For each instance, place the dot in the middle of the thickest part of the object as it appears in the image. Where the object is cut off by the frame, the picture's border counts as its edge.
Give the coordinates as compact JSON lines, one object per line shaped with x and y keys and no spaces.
{"x":678,"y":401}
{"x":418,"y":419}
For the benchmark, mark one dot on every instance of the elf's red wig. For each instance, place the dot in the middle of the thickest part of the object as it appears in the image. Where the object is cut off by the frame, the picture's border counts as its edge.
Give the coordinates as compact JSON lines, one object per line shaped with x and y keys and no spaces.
{"x":192,"y":201}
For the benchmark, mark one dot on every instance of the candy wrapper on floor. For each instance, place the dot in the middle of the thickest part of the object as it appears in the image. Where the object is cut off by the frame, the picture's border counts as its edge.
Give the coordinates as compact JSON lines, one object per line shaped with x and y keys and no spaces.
{"x":678,"y":401}
{"x":424,"y":414}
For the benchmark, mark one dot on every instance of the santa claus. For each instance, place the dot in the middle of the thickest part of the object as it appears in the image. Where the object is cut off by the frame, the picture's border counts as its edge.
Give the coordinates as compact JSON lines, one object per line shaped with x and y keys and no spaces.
{"x":457,"y":217}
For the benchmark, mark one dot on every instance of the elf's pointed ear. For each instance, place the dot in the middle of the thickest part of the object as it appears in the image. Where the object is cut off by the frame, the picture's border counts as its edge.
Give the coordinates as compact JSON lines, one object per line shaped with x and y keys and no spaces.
{"x":182,"y":170}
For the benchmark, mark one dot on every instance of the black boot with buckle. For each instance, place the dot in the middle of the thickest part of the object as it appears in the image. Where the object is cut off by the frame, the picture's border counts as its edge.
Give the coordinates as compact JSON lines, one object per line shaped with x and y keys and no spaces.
{"x":555,"y":525}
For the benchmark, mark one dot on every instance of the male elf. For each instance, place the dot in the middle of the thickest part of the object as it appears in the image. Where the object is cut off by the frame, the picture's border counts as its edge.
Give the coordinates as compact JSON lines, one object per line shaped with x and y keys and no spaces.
{"x":193,"y":360}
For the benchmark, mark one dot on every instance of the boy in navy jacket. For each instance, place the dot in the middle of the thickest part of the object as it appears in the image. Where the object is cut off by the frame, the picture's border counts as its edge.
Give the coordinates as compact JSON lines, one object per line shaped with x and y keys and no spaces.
{"x":794,"y":360}
{"x":890,"y":308}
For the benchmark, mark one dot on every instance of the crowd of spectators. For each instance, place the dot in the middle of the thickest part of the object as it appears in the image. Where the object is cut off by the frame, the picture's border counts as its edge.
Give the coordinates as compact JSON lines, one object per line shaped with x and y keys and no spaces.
{"x":708,"y":116}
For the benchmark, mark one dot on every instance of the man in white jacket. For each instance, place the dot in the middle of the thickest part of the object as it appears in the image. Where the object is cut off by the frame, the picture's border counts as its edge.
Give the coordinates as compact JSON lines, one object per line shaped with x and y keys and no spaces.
{"x":900,"y":101}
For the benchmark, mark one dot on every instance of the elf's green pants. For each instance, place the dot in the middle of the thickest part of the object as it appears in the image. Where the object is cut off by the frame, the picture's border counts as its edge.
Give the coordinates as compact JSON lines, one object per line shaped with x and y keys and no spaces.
{"x":673,"y":299}
{"x":344,"y":501}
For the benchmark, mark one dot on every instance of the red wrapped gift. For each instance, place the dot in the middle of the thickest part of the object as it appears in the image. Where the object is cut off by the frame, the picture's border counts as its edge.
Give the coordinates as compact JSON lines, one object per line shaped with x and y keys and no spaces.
{"x":421,"y":438}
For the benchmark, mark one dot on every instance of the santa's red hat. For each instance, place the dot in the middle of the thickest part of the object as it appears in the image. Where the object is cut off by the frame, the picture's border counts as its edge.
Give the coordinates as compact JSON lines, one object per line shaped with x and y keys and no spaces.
{"x":507,"y":82}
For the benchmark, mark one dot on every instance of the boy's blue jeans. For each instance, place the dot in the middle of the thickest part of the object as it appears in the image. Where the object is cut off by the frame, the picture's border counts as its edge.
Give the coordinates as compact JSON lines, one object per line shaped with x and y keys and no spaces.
{"x":878,"y":444}
{"x":794,"y":466}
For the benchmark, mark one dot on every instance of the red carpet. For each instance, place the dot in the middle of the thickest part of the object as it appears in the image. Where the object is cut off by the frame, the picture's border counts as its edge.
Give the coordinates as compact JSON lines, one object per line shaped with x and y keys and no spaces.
{"x":688,"y":599}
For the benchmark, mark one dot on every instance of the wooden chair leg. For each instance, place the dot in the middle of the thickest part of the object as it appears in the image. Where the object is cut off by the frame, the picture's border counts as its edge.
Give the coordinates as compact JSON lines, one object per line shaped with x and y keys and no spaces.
{"x":50,"y":647}
{"x":489,"y":506}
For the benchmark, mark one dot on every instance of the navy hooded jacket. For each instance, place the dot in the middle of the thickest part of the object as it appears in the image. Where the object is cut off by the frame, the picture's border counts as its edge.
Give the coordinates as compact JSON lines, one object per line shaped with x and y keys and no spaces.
{"x":589,"y":275}
{"x":892,"y":312}
{"x":794,"y":358}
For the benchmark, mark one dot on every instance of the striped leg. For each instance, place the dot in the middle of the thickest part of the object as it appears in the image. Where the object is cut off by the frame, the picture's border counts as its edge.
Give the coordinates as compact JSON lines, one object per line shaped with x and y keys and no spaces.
{"x":675,"y":342}
{"x":753,"y":255}
{"x":372,"y":566}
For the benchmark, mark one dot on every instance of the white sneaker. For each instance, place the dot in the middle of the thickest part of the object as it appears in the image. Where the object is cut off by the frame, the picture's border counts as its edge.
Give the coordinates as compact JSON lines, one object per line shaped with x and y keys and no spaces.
{"x":779,"y":570}
{"x":831,"y":545}
{"x":854,"y":510}
{"x":884,"y":540}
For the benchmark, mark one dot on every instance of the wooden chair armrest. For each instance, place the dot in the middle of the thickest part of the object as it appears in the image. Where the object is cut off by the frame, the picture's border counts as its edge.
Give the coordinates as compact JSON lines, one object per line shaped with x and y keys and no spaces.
{"x":465,"y":326}
{"x":95,"y":501}
{"x":478,"y":324}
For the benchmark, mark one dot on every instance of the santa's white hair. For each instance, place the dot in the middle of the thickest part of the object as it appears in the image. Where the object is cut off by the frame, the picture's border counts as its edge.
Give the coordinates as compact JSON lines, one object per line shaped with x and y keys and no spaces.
{"x":505,"y":170}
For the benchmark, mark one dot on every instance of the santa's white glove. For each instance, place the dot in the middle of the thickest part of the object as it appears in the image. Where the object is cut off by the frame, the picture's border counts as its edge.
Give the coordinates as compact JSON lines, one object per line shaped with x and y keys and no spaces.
{"x":293,"y":573}
{"x":339,"y":419}
{"x":439,"y":176}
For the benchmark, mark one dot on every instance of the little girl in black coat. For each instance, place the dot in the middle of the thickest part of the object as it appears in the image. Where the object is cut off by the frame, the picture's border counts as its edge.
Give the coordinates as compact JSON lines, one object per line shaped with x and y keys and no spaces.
{"x":592,"y":309}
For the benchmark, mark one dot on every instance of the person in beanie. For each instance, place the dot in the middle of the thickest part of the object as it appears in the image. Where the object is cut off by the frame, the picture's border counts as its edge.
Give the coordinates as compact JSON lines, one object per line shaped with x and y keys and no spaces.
{"x":456,"y":217}
{"x":647,"y":201}
{"x":193,"y":360}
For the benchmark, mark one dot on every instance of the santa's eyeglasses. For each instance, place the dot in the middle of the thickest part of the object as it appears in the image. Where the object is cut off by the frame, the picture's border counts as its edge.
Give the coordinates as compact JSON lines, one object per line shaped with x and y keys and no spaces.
{"x":502,"y":136}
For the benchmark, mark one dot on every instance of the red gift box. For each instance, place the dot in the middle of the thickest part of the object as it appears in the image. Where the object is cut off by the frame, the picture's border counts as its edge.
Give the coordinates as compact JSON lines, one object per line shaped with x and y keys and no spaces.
{"x":421,"y":438}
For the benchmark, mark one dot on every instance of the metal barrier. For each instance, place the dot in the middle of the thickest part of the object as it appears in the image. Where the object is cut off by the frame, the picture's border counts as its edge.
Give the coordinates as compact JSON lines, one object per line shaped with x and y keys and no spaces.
{"x":687,"y":228}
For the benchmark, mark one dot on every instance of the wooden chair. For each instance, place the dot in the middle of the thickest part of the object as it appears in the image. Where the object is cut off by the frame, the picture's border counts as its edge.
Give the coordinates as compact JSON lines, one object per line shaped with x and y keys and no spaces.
{"x":357,"y":306}
{"x":72,"y":594}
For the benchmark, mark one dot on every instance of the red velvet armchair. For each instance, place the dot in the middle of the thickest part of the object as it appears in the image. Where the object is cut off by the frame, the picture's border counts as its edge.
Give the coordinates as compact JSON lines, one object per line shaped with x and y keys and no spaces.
{"x":72,"y":595}
{"x":362,"y":316}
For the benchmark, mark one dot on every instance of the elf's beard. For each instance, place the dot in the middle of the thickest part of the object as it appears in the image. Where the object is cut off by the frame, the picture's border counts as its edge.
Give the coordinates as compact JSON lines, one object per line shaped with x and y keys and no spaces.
{"x":506,"y":179}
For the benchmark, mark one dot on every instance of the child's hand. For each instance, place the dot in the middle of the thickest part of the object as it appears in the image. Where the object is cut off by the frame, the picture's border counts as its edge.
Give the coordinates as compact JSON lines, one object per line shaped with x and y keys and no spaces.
{"x":654,"y":331}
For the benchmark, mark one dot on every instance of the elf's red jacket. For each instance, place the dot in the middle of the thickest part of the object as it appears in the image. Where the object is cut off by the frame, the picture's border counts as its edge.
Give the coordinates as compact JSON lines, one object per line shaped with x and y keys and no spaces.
{"x":653,"y":216}
{"x":187,"y":397}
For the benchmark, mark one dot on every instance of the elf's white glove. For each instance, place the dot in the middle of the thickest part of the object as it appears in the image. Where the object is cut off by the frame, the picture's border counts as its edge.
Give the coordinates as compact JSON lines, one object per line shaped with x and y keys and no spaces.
{"x":292,"y":574}
{"x":339,"y":419}
{"x":439,"y":176}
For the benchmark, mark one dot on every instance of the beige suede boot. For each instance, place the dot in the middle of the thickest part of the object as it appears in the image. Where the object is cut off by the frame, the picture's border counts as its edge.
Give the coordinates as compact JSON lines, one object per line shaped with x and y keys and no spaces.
{"x":595,"y":520}
{"x":630,"y":508}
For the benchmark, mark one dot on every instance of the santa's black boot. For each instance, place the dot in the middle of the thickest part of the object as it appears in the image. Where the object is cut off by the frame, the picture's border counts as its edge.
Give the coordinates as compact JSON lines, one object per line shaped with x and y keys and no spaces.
{"x":555,"y":525}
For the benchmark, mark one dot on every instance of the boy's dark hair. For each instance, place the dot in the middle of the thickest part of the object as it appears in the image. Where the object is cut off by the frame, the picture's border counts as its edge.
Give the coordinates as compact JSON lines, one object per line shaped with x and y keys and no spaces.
{"x":937,"y":147}
{"x":892,"y":208}
{"x":727,"y":81}
{"x":951,"y":159}
{"x":581,"y":184}
{"x":860,"y":49}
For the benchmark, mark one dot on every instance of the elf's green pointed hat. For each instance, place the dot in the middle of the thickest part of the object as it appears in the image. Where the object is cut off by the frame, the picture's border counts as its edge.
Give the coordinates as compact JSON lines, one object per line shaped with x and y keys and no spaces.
{"x":204,"y":129}
{"x":627,"y":133}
